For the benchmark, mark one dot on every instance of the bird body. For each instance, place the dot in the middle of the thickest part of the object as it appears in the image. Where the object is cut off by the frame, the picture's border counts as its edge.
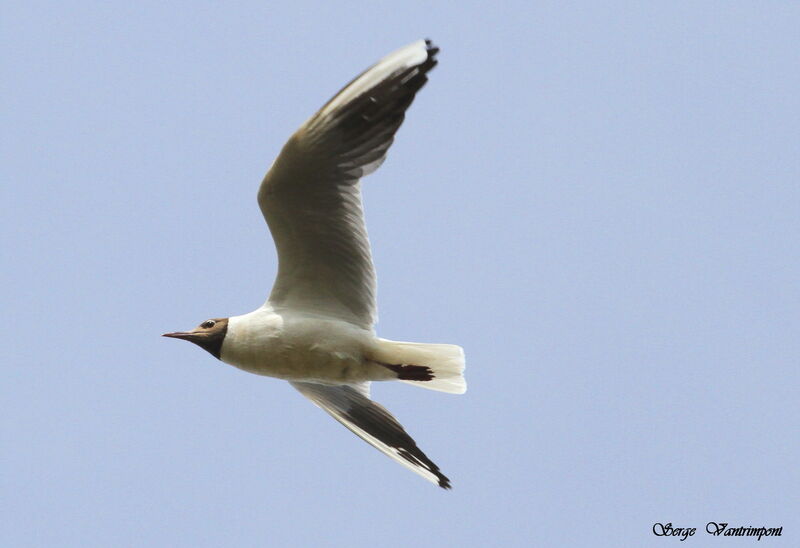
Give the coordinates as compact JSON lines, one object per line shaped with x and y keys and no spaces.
{"x":316,"y":330}
{"x":301,"y":346}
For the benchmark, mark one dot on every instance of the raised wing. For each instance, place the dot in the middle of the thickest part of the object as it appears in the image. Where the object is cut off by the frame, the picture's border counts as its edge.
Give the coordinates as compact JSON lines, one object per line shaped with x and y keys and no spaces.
{"x":311,"y":197}
{"x":351,"y":406}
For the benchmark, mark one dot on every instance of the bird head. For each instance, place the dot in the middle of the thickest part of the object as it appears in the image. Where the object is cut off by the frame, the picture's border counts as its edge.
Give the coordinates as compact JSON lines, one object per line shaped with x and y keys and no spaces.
{"x":208,"y":335}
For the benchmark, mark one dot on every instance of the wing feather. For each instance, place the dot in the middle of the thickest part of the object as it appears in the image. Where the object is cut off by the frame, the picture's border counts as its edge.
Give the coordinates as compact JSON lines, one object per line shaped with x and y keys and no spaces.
{"x":311,"y":196}
{"x":351,"y":406}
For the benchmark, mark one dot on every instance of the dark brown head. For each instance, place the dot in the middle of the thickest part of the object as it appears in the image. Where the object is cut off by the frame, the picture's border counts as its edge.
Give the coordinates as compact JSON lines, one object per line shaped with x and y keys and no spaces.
{"x":208,"y":335}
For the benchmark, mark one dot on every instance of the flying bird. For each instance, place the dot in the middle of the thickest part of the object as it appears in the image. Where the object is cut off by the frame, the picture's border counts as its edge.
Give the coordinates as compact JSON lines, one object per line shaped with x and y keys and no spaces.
{"x":316,"y":329}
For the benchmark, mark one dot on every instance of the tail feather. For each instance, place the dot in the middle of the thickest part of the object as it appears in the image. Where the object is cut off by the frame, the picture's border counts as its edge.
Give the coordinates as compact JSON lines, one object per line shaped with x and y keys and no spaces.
{"x":434,"y":366}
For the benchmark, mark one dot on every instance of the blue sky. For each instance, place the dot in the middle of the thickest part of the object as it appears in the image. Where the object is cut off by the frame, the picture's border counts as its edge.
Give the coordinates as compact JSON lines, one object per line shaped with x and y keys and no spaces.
{"x":598,"y":201}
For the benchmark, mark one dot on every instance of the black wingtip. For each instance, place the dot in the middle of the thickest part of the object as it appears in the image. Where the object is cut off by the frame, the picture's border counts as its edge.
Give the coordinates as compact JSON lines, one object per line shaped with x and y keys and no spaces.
{"x":430,"y":60}
{"x":431,"y":48}
{"x":444,"y":483}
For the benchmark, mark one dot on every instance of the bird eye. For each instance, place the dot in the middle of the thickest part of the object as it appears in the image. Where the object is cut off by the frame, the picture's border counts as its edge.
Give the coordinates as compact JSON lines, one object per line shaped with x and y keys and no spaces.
{"x":208,"y":324}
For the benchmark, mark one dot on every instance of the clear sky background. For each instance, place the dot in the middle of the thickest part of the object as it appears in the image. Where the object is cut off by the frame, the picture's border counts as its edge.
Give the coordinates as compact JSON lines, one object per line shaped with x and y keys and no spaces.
{"x":599,"y":201}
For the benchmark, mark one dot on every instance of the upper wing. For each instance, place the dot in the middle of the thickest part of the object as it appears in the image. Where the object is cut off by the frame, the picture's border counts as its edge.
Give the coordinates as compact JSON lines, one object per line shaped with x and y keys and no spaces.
{"x":351,"y":406}
{"x":311,"y":196}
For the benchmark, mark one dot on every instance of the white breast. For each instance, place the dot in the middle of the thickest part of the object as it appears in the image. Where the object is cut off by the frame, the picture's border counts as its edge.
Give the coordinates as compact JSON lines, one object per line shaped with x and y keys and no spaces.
{"x":296,"y":346}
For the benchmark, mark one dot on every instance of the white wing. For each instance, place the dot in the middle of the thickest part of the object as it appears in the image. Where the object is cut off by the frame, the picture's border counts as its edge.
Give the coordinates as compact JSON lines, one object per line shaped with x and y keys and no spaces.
{"x":311,"y":197}
{"x":351,"y":406}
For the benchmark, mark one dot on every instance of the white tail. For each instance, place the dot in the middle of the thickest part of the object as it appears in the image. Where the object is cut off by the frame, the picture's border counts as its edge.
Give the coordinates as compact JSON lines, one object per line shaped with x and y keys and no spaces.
{"x":445,"y":362}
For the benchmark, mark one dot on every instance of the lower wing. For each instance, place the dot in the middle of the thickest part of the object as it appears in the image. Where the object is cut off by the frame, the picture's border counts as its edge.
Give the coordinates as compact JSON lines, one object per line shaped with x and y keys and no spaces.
{"x":351,"y":406}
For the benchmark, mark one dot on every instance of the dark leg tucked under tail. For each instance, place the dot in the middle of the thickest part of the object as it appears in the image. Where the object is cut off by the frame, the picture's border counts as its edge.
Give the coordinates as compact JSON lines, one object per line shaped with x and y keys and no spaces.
{"x":406,"y":372}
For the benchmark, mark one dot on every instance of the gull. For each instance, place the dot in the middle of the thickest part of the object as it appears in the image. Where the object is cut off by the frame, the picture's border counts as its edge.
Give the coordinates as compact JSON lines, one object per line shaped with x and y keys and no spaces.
{"x":316,"y":329}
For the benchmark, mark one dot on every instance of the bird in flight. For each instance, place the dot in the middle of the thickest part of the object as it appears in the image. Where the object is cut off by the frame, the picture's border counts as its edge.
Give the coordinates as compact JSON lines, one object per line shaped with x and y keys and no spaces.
{"x":316,"y":329}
